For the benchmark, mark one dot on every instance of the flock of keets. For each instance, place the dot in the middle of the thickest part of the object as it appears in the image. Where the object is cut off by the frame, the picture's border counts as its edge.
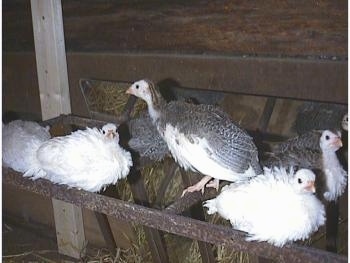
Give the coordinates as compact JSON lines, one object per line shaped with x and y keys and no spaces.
{"x":271,"y":195}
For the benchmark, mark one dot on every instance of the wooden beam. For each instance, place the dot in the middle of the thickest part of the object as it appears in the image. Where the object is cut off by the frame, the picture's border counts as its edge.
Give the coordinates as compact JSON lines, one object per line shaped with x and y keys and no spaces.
{"x":50,"y":57}
{"x":55,"y":100}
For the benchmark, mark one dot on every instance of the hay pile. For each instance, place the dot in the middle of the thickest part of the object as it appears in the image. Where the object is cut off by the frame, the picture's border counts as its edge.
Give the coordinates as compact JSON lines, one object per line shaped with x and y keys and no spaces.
{"x":109,"y":97}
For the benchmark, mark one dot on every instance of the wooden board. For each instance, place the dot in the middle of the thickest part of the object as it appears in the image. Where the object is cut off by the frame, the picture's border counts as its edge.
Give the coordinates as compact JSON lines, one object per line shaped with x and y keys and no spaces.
{"x":55,"y":100}
{"x":267,"y":28}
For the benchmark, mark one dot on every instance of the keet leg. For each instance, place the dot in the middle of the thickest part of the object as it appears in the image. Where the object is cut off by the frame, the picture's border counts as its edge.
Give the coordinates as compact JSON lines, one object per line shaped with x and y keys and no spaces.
{"x":198,"y":186}
{"x":214,"y":183}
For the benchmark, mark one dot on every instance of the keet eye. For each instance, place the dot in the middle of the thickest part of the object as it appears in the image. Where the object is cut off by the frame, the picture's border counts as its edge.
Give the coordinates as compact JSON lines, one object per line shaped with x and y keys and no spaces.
{"x":137,"y":86}
{"x":103,"y":131}
{"x":327,"y":137}
{"x":299,"y":181}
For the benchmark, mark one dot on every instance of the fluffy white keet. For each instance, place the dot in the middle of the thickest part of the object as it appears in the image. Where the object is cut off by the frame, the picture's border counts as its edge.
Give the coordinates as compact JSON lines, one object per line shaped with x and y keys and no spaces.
{"x":277,"y":207}
{"x":20,"y":140}
{"x":336,"y":176}
{"x":87,"y":159}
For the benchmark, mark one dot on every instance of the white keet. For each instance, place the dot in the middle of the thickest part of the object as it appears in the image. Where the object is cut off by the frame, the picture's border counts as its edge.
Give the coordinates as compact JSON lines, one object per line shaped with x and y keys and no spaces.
{"x":336,"y":176}
{"x":20,"y":140}
{"x":277,"y":207}
{"x":87,"y":159}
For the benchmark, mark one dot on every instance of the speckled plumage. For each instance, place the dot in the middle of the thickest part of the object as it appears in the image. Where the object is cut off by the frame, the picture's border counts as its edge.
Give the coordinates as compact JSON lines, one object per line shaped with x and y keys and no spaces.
{"x":145,"y":139}
{"x":201,"y":137}
{"x":231,"y":146}
{"x":277,"y":207}
{"x":20,"y":140}
{"x":319,"y":116}
{"x":300,"y":151}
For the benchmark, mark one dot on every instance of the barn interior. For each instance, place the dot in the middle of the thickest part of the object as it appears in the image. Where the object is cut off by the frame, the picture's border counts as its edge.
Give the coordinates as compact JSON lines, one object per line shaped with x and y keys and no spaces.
{"x":260,"y":61}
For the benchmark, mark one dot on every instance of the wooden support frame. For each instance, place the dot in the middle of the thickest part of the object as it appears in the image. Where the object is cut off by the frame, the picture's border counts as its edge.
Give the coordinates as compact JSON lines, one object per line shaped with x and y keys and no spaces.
{"x":55,"y":100}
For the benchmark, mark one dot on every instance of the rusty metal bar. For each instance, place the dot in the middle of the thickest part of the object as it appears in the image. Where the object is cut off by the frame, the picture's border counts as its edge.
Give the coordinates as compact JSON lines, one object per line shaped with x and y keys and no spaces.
{"x":175,"y":224}
{"x":332,"y":215}
{"x":75,"y":120}
{"x":266,"y":115}
{"x":205,"y":249}
{"x":153,"y":236}
{"x":164,"y":185}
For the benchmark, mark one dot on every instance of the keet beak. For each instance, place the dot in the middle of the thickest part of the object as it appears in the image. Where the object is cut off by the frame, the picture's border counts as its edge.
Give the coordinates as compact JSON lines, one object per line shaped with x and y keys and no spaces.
{"x":110,"y":134}
{"x":310,"y":186}
{"x":337,"y":142}
{"x":129,"y":91}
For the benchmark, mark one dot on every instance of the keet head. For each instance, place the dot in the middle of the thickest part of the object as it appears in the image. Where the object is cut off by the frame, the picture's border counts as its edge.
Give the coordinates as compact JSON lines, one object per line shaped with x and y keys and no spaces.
{"x":141,"y":89}
{"x":330,"y":141}
{"x":344,"y":122}
{"x":110,"y":131}
{"x":304,"y":181}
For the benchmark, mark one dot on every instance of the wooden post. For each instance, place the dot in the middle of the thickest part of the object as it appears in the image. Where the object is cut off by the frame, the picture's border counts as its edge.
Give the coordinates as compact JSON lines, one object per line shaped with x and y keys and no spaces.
{"x":55,"y":100}
{"x":50,"y":57}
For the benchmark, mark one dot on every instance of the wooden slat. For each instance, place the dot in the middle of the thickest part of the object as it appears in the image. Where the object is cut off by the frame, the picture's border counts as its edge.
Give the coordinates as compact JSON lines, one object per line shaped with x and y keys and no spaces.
{"x":55,"y":100}
{"x":50,"y":58}
{"x":69,"y":229}
{"x":270,"y":27}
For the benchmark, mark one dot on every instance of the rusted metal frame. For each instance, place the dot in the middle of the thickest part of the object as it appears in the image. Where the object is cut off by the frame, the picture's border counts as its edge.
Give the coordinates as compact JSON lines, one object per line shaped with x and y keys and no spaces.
{"x":175,"y":224}
{"x":154,"y":237}
{"x":332,"y":218}
{"x":188,"y":200}
{"x":164,"y":185}
{"x":266,"y":115}
{"x":205,"y":249}
{"x":69,"y":119}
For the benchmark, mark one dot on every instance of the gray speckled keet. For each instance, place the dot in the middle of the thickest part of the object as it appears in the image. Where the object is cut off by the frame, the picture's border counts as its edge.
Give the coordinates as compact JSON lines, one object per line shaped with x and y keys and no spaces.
{"x":300,"y":151}
{"x":145,"y":139}
{"x":203,"y":129}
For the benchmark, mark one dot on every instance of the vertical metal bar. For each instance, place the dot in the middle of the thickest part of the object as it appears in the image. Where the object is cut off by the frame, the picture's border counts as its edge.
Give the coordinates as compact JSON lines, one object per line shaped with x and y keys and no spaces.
{"x":205,"y":249}
{"x":153,"y":236}
{"x":266,"y":115}
{"x":164,"y":185}
{"x":332,"y":215}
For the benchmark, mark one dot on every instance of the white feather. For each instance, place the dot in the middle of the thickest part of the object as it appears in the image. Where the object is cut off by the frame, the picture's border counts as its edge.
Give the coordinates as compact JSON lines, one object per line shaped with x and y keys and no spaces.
{"x":84,"y":159}
{"x":336,"y":176}
{"x":195,"y":156}
{"x":20,"y":140}
{"x":270,"y":208}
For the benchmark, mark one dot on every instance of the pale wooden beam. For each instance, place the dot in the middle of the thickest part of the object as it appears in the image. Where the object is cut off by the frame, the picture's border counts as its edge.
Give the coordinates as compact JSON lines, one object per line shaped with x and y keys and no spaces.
{"x":50,"y":57}
{"x":55,"y":100}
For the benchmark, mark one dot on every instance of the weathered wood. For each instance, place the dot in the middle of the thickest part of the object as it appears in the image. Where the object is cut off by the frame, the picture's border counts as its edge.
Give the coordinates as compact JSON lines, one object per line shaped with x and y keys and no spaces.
{"x":55,"y":99}
{"x":50,"y":58}
{"x":69,"y":229}
{"x":307,"y":79}
{"x":272,"y":27}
